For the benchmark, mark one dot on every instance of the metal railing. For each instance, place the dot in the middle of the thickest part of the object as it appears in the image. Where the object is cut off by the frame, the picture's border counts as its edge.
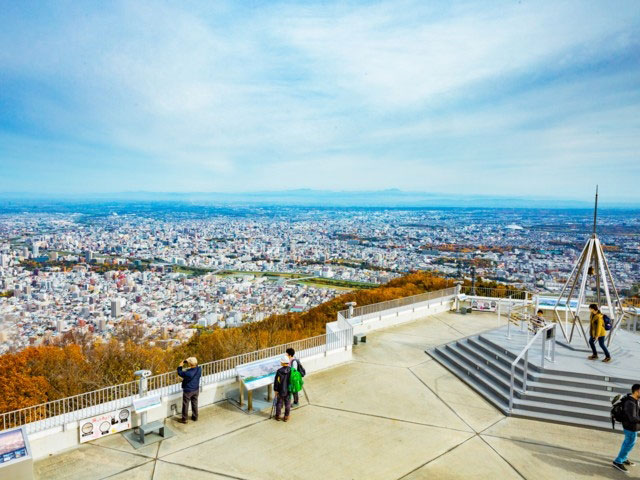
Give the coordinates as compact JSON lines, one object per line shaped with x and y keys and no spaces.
{"x":491,"y":292}
{"x":60,"y":412}
{"x":525,"y":353}
{"x":374,"y":308}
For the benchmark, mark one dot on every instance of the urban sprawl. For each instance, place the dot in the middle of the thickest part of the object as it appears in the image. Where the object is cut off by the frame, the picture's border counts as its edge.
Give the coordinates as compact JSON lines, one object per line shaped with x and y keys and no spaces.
{"x":166,"y":273}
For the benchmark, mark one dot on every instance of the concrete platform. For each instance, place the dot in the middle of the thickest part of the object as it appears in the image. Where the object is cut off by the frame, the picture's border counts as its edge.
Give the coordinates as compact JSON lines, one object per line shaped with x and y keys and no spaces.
{"x":625,"y":352}
{"x":392,"y":413}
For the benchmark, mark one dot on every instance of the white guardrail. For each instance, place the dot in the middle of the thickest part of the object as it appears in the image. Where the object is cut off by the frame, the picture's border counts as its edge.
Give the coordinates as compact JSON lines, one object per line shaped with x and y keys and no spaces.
{"x":64,"y":411}
{"x":71,"y":409}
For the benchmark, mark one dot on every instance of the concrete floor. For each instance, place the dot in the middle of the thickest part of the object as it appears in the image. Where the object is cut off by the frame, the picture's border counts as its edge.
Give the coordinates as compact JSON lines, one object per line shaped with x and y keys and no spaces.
{"x":392,"y":413}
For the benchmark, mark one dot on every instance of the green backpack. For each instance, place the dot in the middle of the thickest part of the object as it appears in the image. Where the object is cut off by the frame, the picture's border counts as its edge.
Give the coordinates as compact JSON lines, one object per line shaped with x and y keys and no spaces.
{"x":295,"y":381}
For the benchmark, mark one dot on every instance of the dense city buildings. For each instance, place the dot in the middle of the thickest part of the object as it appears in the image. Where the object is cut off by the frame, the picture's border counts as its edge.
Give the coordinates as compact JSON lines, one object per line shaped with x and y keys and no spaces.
{"x":160,"y":274}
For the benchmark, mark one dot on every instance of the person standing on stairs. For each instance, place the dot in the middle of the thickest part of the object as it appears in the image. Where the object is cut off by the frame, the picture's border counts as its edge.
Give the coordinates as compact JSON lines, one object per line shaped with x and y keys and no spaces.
{"x":598,"y":333}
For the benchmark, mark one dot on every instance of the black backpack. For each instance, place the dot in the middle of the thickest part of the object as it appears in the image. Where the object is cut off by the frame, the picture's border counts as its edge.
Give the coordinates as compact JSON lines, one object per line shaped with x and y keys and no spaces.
{"x":607,"y":322}
{"x":617,"y":410}
{"x":299,"y":367}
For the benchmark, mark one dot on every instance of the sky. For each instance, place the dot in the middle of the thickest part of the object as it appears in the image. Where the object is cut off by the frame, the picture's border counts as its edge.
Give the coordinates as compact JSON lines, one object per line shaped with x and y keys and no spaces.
{"x":499,"y":97}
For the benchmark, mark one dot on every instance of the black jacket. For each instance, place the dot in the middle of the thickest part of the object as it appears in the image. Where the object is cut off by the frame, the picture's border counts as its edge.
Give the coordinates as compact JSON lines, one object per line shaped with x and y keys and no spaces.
{"x":190,"y":378}
{"x":281,"y":382}
{"x":631,"y":415}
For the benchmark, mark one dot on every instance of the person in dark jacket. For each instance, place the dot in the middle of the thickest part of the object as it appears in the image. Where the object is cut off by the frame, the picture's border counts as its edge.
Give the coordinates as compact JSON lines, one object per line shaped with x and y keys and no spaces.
{"x":295,"y":363}
{"x":631,"y":425}
{"x":281,"y":389}
{"x":190,"y":387}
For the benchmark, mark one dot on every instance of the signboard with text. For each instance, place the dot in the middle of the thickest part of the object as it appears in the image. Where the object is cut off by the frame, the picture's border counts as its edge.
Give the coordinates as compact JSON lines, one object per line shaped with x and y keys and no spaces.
{"x":14,"y":446}
{"x":105,"y":424}
{"x":258,"y":374}
{"x":484,"y":305}
{"x":146,"y":403}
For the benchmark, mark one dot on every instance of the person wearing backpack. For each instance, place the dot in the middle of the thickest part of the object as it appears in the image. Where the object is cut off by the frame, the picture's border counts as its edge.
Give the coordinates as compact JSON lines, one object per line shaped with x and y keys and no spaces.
{"x":295,"y":365}
{"x":598,"y":333}
{"x":631,"y":424}
{"x":281,"y":389}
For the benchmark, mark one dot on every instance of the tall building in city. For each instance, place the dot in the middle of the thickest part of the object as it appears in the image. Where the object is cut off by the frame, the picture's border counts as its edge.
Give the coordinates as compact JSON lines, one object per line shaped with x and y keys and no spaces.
{"x":116,"y":308}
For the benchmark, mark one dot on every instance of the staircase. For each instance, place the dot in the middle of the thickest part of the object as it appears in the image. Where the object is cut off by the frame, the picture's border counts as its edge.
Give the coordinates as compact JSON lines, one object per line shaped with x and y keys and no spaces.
{"x":580,"y":399}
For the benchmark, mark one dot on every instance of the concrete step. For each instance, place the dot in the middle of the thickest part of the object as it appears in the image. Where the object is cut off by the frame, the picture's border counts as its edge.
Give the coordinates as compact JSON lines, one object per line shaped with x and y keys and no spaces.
{"x":490,"y":361}
{"x":563,"y":419}
{"x":555,"y":409}
{"x":497,"y":354}
{"x":497,"y":398}
{"x":571,"y":380}
{"x":568,"y":399}
{"x":601,"y":405}
{"x":553,"y":388}
{"x":492,"y":372}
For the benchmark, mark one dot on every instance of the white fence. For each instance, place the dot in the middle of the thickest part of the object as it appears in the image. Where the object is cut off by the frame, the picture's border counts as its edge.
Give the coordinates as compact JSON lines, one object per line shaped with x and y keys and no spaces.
{"x":71,"y":409}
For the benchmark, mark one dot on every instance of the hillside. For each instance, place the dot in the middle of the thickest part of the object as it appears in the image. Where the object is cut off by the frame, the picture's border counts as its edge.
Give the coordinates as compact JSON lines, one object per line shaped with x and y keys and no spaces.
{"x":40,"y":374}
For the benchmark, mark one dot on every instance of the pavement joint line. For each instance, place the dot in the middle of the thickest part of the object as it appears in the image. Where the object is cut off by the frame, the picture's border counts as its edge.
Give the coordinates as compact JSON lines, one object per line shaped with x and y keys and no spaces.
{"x":494,"y":423}
{"x":379,"y":364}
{"x":445,"y":323}
{"x":436,"y":457}
{"x":445,"y":403}
{"x":499,"y":455}
{"x":221,"y":435}
{"x":391,"y":418}
{"x":161,"y":457}
{"x":127,"y":469}
{"x":190,"y":467}
{"x":135,"y":454}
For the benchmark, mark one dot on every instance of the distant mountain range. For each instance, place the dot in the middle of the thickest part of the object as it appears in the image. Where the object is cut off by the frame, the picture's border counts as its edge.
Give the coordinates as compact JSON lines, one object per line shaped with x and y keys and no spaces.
{"x":325,"y":198}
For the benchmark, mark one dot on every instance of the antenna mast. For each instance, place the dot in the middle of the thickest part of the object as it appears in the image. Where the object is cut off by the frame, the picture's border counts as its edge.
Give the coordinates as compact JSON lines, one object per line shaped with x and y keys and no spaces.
{"x":595,"y":213}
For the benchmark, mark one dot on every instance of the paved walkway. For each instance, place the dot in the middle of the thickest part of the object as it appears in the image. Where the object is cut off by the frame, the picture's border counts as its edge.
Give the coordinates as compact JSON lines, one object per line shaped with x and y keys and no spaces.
{"x":392,"y":413}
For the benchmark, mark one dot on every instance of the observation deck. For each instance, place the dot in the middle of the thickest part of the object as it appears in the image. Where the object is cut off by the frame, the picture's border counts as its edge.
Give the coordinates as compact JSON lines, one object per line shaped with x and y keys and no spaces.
{"x":390,"y":412}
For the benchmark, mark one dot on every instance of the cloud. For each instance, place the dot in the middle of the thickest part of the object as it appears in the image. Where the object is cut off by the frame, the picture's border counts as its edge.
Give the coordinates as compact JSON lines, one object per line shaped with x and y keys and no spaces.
{"x":415,"y":95}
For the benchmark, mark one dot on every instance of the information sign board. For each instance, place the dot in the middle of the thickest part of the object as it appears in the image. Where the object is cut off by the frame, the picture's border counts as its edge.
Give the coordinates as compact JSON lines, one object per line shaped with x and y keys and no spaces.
{"x":14,"y":446}
{"x":106,"y":424}
{"x":484,"y":305}
{"x":146,"y":403}
{"x":258,"y":374}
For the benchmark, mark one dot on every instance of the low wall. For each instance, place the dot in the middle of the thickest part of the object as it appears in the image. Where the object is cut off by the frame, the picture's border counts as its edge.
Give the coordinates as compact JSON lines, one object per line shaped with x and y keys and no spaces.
{"x":400,"y":315}
{"x":58,"y":439}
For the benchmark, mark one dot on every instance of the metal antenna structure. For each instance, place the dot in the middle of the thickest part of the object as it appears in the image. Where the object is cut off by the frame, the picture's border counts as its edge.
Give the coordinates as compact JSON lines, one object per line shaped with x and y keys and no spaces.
{"x":591,"y":272}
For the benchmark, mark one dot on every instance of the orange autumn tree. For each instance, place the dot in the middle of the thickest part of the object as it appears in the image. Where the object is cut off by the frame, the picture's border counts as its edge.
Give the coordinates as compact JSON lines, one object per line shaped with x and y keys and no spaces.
{"x":40,"y":374}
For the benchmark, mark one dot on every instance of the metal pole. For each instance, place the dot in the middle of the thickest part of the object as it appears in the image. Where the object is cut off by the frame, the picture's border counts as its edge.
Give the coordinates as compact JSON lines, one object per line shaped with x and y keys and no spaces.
{"x":513,"y":367}
{"x":143,"y":393}
{"x":526,"y":371}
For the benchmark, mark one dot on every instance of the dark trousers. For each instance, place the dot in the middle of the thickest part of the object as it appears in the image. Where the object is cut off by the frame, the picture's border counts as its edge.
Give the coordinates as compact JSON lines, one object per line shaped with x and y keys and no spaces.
{"x":295,"y":398}
{"x":287,"y":404}
{"x":592,"y":342}
{"x":193,"y":398}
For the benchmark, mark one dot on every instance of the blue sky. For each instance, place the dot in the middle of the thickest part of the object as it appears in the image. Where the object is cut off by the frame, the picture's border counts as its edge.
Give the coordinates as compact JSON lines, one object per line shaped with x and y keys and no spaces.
{"x":504,"y":98}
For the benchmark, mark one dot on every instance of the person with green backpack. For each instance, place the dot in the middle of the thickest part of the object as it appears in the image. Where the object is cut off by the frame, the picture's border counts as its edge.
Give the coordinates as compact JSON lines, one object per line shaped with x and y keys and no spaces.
{"x":296,"y":378}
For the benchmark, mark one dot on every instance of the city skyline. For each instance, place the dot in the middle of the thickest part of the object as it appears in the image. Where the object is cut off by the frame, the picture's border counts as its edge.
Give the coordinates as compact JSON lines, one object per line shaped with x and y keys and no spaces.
{"x":510,"y":98}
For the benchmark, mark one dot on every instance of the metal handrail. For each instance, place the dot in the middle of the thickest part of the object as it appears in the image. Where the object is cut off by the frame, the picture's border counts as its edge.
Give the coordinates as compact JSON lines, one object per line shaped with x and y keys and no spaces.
{"x":64,"y":410}
{"x":397,"y":303}
{"x":525,"y":353}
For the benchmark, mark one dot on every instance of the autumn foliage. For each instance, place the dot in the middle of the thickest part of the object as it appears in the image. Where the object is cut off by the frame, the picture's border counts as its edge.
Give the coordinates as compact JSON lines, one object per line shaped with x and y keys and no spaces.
{"x":40,"y":374}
